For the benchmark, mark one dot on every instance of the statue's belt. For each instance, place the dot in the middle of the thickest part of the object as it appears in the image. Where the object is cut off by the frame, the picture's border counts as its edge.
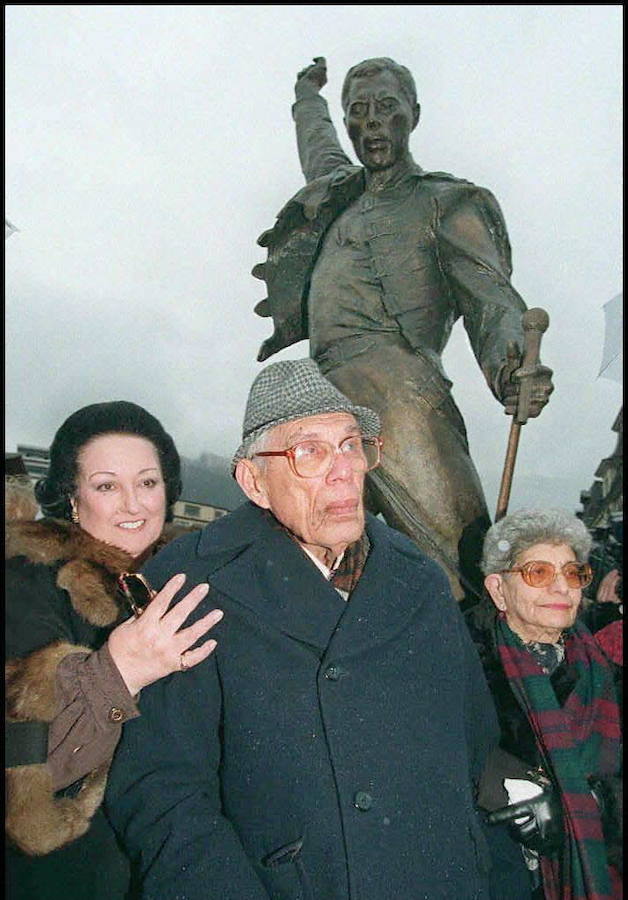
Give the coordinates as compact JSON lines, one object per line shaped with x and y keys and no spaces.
{"x":347,"y":348}
{"x":344,"y":350}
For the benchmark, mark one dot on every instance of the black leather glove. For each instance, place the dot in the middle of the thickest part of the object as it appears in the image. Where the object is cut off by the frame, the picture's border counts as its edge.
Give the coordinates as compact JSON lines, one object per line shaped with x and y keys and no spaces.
{"x":542,"y":827}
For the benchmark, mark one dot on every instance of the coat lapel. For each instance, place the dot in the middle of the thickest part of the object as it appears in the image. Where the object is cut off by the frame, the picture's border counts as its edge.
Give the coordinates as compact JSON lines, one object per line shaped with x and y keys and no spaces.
{"x":261,"y":569}
{"x":272,"y":577}
{"x":386,"y":597}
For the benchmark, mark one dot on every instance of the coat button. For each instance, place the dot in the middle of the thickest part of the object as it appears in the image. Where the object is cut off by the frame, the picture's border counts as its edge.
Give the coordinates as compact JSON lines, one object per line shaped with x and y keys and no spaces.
{"x":332,"y":673}
{"x":115,"y":714}
{"x":362,"y":800}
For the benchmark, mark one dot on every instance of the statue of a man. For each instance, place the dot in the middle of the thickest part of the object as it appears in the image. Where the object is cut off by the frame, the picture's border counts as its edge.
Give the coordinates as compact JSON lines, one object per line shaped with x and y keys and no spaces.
{"x":375,"y":263}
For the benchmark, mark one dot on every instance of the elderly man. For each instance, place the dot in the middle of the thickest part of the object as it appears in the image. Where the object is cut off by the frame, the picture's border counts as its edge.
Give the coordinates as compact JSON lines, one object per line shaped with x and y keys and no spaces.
{"x":375,"y":263}
{"x":329,"y":746}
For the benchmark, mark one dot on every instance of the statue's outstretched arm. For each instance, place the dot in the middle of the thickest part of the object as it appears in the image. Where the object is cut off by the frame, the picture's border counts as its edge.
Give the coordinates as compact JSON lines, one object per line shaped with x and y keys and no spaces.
{"x":319,"y":148}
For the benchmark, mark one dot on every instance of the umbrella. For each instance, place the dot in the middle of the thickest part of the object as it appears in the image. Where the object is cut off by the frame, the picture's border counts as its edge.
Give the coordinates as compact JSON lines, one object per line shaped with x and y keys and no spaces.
{"x":9,"y":229}
{"x":612,"y":356}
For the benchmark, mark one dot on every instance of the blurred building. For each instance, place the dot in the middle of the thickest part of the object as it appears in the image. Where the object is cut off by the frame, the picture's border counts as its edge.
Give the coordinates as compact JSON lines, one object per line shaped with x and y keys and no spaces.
{"x":209,"y":491}
{"x":36,"y":460}
{"x":603,"y":502}
{"x":14,"y":465}
{"x":603,"y":510}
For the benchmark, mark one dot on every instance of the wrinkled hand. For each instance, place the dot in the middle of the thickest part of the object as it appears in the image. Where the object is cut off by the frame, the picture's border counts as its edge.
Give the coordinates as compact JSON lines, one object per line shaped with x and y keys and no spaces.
{"x":541,"y":377}
{"x":151,"y":646}
{"x":311,"y":79}
{"x":607,"y":591}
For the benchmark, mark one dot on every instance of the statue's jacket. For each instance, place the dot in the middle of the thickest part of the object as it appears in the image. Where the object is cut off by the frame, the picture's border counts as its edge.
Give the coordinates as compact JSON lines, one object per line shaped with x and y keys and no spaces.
{"x":440,"y":252}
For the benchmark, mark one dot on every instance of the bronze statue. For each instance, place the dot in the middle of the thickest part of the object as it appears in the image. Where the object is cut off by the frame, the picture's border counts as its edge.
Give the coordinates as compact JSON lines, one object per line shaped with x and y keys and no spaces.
{"x":375,"y":263}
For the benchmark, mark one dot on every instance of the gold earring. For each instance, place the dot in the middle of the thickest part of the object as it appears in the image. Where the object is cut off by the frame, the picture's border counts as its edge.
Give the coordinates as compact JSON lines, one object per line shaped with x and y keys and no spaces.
{"x":74,"y":511}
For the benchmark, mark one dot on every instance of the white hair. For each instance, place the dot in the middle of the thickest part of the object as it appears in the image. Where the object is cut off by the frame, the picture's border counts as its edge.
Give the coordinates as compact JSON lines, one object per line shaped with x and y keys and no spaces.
{"x":260,"y":444}
{"x":517,"y":532}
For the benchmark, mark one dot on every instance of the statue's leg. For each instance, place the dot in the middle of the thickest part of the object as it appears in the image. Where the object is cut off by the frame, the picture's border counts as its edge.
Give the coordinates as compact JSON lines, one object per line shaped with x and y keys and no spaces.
{"x":426,"y":485}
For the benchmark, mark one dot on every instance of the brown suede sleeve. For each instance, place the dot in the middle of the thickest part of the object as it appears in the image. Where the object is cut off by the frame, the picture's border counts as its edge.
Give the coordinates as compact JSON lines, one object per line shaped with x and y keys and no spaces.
{"x":93,"y":705}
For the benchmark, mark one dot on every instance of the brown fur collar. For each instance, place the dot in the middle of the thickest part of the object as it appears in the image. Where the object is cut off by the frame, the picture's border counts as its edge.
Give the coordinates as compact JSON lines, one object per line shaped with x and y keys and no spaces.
{"x":49,"y":541}
{"x":39,"y":821}
{"x":89,"y":567}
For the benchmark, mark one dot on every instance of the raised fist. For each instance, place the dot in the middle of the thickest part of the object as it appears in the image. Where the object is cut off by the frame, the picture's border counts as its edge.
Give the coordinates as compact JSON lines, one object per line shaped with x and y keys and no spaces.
{"x":311,"y":79}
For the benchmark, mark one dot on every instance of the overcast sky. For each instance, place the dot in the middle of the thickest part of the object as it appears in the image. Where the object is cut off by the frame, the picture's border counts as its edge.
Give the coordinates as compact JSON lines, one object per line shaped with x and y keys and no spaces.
{"x":147,"y":147}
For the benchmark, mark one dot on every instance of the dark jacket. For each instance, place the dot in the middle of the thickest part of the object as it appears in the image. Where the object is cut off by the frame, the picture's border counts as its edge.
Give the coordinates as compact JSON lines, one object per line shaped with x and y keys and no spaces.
{"x":61,"y":604}
{"x":60,"y":601}
{"x":326,"y":749}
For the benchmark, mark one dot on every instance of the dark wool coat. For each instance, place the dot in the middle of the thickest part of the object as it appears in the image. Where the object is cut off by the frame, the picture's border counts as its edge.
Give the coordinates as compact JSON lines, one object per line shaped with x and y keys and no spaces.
{"x":60,"y":599}
{"x":325,"y":750}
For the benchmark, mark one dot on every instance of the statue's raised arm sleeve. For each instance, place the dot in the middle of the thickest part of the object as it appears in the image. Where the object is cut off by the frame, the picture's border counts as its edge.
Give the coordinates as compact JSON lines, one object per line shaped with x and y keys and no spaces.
{"x":319,"y":148}
{"x":474,"y":255}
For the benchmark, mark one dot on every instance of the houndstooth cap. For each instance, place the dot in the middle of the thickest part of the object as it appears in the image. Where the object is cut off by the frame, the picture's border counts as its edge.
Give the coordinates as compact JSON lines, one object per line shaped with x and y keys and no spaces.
{"x":294,"y":389}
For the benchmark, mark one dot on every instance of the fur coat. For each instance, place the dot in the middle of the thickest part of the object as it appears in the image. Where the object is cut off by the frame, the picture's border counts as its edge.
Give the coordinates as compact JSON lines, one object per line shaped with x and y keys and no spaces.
{"x":70,"y":581}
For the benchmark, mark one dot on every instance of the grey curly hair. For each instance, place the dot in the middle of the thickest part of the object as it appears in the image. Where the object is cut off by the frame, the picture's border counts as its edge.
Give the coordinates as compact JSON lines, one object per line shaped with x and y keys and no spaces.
{"x":512,"y":535}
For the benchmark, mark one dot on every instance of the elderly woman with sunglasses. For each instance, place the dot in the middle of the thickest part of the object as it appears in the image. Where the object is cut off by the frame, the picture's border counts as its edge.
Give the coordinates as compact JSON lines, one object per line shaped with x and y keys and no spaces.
{"x":76,"y":657}
{"x":554,"y":694}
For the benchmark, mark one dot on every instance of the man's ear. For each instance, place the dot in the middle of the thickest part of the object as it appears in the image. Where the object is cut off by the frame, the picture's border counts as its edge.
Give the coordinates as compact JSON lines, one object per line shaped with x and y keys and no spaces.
{"x":494,"y":585}
{"x":416,"y":115}
{"x":252,"y":482}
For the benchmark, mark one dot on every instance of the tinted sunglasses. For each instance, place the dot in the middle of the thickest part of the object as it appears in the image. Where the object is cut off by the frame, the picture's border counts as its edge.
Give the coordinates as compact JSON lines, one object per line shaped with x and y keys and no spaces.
{"x":136,"y":590}
{"x":539,"y":573}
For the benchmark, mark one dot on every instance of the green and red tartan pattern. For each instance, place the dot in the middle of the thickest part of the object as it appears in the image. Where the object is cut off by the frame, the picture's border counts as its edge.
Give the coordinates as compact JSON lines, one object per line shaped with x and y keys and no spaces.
{"x":576,"y":740}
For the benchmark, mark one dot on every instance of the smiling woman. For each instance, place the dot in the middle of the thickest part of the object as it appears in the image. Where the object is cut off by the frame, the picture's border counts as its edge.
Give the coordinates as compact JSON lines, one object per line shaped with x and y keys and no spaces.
{"x":120,"y":493}
{"x":77,"y":659}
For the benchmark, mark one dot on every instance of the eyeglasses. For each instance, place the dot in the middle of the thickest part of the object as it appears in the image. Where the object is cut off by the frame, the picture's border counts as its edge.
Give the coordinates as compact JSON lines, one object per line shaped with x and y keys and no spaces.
{"x":311,"y":459}
{"x":136,"y":590}
{"x":538,"y":573}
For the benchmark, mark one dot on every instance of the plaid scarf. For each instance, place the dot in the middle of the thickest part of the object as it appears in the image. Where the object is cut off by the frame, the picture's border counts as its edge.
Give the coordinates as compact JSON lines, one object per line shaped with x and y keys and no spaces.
{"x":351,"y":566}
{"x":347,"y":575}
{"x":576,"y":740}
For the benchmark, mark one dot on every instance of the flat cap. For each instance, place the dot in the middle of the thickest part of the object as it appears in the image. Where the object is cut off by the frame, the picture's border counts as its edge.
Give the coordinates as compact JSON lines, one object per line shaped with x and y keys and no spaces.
{"x":294,"y":389}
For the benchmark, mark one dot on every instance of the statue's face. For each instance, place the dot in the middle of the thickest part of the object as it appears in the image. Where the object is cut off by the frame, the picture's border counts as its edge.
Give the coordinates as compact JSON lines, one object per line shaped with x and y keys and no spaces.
{"x":379,"y":120}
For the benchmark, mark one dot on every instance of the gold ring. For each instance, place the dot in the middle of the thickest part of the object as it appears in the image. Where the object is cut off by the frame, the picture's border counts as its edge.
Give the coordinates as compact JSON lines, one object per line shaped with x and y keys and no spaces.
{"x":182,"y":664}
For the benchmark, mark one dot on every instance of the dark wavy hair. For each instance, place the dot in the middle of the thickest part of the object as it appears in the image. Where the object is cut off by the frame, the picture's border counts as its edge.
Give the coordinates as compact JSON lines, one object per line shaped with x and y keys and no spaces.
{"x":114,"y":417}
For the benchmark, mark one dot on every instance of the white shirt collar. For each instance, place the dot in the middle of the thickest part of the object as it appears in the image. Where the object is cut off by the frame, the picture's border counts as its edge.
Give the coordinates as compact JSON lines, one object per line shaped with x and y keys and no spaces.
{"x":321,"y":565}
